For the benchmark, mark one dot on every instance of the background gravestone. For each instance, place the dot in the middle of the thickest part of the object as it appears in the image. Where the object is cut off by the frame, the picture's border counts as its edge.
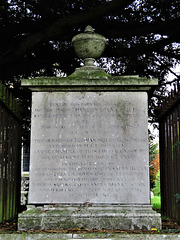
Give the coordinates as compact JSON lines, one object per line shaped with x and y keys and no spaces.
{"x":89,"y":164}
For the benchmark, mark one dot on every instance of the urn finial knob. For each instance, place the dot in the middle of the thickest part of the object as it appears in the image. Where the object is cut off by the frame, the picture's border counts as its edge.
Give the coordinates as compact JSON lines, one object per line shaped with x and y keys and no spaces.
{"x":89,"y":29}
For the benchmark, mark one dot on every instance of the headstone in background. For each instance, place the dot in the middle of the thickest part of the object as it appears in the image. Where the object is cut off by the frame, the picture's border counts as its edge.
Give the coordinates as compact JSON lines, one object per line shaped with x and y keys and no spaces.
{"x":25,"y":175}
{"x":89,"y":164}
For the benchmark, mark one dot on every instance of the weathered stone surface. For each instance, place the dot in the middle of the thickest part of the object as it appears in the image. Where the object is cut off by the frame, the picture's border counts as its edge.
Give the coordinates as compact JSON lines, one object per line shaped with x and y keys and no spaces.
{"x":90,"y":217}
{"x":90,"y":155}
{"x":89,"y":45}
{"x":88,"y":79}
{"x":89,"y":147}
{"x":88,"y":236}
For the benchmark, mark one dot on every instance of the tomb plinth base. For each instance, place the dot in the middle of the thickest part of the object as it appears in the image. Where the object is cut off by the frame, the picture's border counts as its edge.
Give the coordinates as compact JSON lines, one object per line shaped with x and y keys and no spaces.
{"x":85,"y":216}
{"x":89,"y":158}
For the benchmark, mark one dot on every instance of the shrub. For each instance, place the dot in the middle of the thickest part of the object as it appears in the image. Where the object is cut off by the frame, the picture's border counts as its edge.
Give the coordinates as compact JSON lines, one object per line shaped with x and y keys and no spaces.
{"x":153,"y":162}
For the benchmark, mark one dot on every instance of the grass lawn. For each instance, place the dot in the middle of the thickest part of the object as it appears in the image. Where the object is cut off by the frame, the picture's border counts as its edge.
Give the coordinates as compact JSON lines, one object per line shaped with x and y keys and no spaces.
{"x":156,"y":202}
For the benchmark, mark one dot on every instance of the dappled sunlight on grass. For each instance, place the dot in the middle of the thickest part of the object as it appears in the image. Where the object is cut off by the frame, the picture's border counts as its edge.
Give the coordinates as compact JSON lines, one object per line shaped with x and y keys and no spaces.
{"x":156,"y":202}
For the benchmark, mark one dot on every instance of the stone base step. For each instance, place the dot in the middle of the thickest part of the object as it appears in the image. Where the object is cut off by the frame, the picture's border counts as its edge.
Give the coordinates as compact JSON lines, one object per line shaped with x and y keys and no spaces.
{"x":124,"y":217}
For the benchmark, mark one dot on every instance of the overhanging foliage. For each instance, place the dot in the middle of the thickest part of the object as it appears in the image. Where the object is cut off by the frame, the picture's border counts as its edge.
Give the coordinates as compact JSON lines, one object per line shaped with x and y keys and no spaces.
{"x":143,"y":37}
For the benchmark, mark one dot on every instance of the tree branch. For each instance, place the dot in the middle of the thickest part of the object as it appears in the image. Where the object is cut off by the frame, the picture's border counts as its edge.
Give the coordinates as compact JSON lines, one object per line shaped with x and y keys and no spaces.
{"x":119,"y":51}
{"x":120,"y":29}
{"x":62,"y":26}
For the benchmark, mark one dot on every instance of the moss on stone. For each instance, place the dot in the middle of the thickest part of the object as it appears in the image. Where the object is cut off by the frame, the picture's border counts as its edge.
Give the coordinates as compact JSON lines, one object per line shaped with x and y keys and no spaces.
{"x":90,"y":73}
{"x":81,"y":80}
{"x":88,"y":218}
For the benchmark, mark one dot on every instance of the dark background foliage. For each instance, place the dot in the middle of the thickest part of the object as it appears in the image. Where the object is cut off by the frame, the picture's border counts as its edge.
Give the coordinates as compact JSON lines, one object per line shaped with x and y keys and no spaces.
{"x":143,"y":39}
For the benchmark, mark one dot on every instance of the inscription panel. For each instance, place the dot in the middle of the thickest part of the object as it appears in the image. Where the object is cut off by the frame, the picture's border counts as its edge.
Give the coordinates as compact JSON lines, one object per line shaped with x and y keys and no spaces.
{"x":89,"y":147}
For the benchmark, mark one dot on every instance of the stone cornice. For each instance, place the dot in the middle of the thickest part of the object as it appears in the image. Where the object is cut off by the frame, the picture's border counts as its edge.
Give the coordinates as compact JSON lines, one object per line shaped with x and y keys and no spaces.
{"x":90,"y":82}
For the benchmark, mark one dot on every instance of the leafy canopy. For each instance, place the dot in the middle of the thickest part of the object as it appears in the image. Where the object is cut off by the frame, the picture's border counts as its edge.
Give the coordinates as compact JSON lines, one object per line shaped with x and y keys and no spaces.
{"x":143,"y":37}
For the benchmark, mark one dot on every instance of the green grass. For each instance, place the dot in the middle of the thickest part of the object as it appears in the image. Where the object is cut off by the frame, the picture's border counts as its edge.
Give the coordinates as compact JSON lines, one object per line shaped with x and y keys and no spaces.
{"x":156,"y":202}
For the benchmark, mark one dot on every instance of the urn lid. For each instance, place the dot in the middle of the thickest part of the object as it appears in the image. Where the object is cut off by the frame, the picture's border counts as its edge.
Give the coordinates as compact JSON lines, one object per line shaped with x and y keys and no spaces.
{"x":88,"y":34}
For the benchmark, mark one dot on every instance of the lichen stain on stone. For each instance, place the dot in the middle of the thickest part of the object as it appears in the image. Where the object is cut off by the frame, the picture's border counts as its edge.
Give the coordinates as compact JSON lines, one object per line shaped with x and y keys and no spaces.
{"x":89,"y":74}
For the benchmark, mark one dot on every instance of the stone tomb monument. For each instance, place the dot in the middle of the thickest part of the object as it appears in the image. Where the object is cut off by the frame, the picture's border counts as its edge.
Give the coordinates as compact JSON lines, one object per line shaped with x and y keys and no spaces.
{"x":89,"y":164}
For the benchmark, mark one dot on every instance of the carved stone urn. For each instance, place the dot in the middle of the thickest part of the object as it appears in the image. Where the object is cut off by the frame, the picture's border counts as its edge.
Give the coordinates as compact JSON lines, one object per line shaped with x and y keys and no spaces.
{"x":89,"y":46}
